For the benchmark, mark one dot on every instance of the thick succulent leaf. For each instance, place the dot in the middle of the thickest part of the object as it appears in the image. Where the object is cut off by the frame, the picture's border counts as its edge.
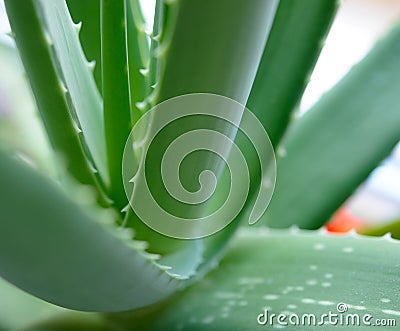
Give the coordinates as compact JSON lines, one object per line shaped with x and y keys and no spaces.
{"x":138,"y":57}
{"x":79,"y":81}
{"x":299,"y":28}
{"x":284,"y":271}
{"x":185,"y":60}
{"x":62,"y":253}
{"x":330,"y":150}
{"x":189,"y":60}
{"x":160,"y":21}
{"x":87,"y":12}
{"x":47,"y":87}
{"x":117,"y":114}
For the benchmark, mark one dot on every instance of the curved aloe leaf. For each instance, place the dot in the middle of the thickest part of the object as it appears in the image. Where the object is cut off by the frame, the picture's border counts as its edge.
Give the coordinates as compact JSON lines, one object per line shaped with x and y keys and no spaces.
{"x":300,"y":26}
{"x":332,"y":148}
{"x":117,"y":115}
{"x":48,"y":89}
{"x":287,"y":272}
{"x":185,"y":61}
{"x":87,"y":13}
{"x":64,"y":254}
{"x":189,"y":62}
{"x":291,"y":52}
{"x":76,"y":71}
{"x":138,"y":57}
{"x":79,"y":80}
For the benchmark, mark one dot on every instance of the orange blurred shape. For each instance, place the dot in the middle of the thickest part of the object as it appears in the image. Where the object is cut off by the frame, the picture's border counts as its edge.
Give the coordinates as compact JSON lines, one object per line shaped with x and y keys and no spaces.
{"x":344,"y":221}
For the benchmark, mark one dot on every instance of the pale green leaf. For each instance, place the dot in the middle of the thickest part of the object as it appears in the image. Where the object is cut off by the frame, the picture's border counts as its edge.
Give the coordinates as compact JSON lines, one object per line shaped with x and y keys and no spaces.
{"x":291,"y":52}
{"x":77,"y":74}
{"x":47,"y":87}
{"x":87,"y":13}
{"x":284,"y":271}
{"x":72,"y":255}
{"x":333,"y":147}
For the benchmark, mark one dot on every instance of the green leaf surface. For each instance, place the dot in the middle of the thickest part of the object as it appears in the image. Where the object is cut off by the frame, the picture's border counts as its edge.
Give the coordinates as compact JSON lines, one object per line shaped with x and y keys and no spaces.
{"x":185,"y":60}
{"x":293,"y":47}
{"x":47,"y":87}
{"x":87,"y":12}
{"x":72,"y":255}
{"x":117,"y":115}
{"x":159,"y":23}
{"x":284,"y":271}
{"x":190,"y":62}
{"x":301,"y":27}
{"x":138,"y":57}
{"x":333,"y":147}
{"x":79,"y":82}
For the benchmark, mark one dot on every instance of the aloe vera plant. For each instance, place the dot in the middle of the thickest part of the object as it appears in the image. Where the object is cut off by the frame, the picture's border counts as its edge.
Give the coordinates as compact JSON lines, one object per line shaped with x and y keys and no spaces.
{"x":72,"y":237}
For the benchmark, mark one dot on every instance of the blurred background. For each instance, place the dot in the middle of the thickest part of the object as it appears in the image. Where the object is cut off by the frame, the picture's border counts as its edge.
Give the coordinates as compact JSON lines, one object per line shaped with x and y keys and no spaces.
{"x":358,"y":25}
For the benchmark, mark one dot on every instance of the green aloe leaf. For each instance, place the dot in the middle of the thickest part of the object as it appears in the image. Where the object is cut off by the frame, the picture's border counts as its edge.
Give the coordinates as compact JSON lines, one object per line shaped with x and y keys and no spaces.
{"x":183,"y":60}
{"x":138,"y":57}
{"x":72,"y":255}
{"x":117,"y":114}
{"x":48,"y":89}
{"x":185,"y":49}
{"x":284,"y":271}
{"x":79,"y":81}
{"x":159,"y":26}
{"x":87,"y":13}
{"x":331,"y":149}
{"x":60,"y":42}
{"x":299,"y":28}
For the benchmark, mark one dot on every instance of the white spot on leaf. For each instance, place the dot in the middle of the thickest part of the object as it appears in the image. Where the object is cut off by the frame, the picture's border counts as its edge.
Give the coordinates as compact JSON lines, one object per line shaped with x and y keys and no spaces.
{"x":348,"y":249}
{"x":319,"y":247}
